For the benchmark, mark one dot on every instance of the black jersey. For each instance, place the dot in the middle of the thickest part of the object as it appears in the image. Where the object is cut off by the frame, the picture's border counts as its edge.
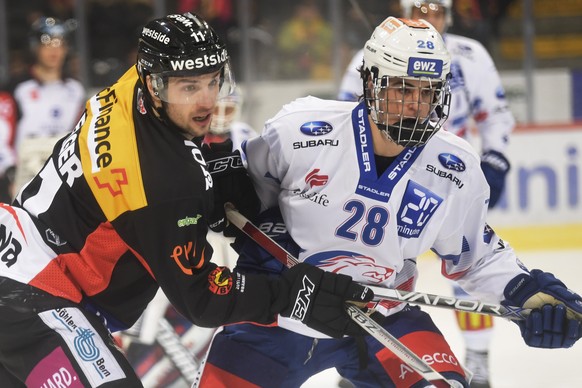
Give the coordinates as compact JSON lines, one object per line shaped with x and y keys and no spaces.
{"x":119,"y":208}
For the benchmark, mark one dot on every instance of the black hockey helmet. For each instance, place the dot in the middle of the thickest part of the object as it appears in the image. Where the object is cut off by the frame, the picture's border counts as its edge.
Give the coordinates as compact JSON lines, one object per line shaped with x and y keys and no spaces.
{"x":181,"y":45}
{"x":48,"y":31}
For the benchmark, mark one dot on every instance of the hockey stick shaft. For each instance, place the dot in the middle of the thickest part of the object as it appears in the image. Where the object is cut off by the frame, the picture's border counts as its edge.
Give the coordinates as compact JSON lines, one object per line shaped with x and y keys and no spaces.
{"x":176,"y":351}
{"x":387,"y":294}
{"x":449,"y":302}
{"x":356,"y":314}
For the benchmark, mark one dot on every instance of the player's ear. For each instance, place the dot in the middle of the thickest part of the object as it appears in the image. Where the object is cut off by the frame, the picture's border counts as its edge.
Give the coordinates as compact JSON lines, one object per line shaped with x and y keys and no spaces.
{"x":157,"y":101}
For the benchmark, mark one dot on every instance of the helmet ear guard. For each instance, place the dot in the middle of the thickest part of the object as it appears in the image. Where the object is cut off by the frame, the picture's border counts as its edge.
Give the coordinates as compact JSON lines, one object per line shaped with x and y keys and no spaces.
{"x":155,"y":85}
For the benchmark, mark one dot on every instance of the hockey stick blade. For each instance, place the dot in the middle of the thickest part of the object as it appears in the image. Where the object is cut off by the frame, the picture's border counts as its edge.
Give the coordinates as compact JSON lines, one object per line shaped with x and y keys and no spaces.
{"x":449,"y":302}
{"x":356,"y":314}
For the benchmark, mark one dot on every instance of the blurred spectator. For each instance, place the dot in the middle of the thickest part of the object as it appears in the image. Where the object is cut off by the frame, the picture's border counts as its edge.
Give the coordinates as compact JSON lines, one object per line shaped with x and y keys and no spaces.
{"x":218,"y":13}
{"x":479,"y":19}
{"x":59,"y":9}
{"x":470,"y":20}
{"x":261,"y":42}
{"x":113,"y":27}
{"x":48,"y":101}
{"x":305,"y":43}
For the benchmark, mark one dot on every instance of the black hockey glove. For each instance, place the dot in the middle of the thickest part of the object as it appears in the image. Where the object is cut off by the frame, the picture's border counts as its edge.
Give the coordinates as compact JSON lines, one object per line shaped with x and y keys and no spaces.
{"x":555,"y":321}
{"x":317,"y":298}
{"x":495,"y":167}
{"x":231,"y":183}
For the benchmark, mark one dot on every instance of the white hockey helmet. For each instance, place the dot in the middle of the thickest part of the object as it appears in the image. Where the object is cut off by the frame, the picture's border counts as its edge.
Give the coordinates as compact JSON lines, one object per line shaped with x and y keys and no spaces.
{"x":407,"y":57}
{"x":226,"y":111}
{"x":425,"y":5}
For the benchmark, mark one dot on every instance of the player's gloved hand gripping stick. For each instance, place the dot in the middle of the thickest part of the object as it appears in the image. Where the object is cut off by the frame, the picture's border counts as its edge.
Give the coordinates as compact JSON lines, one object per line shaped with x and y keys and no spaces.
{"x":556,"y":317}
{"x":355,"y":313}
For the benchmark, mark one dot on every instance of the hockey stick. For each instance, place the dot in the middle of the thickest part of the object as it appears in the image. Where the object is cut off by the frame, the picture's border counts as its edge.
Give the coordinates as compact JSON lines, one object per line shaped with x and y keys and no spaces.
{"x":184,"y":360}
{"x":356,"y":314}
{"x":449,"y":302}
{"x":152,"y":327}
{"x":384,"y":294}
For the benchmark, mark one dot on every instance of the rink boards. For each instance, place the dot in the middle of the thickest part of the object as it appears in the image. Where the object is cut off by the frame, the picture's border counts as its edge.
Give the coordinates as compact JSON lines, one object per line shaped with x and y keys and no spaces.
{"x":542,"y":204}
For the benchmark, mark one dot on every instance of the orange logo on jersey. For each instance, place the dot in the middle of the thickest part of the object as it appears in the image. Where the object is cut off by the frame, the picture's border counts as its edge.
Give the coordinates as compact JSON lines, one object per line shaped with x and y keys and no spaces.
{"x":220,"y":281}
{"x":120,"y":180}
{"x":183,"y":253}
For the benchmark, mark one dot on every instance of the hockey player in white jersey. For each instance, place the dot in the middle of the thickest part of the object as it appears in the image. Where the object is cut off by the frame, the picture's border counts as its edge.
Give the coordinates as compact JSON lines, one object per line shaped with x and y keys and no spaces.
{"x":477,"y":95}
{"x":227,"y":122}
{"x":364,"y":189}
{"x":49,"y":101}
{"x":477,"y":100}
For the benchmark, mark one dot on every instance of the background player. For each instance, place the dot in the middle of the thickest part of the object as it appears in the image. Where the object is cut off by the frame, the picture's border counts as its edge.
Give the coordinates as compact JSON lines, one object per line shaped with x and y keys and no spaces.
{"x":7,"y":157}
{"x":363,"y":189}
{"x":477,"y":100}
{"x":49,"y":100}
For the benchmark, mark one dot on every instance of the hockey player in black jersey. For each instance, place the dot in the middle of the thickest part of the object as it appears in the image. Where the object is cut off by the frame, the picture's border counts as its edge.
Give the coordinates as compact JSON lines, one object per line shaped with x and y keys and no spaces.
{"x":122,"y":207}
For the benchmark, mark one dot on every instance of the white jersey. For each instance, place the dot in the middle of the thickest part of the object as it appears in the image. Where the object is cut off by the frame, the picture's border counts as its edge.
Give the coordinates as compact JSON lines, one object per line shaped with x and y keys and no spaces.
{"x":315,"y":160}
{"x":239,"y":132}
{"x":477,"y":95}
{"x":7,"y":127}
{"x":48,"y":109}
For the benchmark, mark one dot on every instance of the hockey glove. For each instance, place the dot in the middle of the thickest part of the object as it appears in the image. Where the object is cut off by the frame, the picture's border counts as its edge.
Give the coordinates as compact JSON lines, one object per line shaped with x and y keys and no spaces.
{"x":495,"y":167}
{"x":231,"y":183}
{"x":555,"y":321}
{"x":317,"y":298}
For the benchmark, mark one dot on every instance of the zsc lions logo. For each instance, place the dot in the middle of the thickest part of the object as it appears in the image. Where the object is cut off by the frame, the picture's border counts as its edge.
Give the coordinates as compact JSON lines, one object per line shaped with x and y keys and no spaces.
{"x":353,"y":264}
{"x":452,"y":162}
{"x":316,"y":128}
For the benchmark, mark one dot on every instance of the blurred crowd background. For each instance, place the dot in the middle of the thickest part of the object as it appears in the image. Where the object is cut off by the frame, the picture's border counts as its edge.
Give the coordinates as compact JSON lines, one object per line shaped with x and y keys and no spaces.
{"x":284,"y":49}
{"x":303,"y":39}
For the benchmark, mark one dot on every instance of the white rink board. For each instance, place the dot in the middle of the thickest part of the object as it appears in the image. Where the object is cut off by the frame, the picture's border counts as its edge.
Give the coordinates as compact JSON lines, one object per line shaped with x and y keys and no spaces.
{"x":544,"y":185}
{"x":513,"y":364}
